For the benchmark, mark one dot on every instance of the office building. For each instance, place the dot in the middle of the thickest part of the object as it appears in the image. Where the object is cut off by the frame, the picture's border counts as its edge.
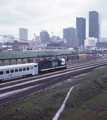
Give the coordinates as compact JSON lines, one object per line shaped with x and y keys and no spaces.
{"x":7,"y":38}
{"x":94,"y":24}
{"x":81,"y":30}
{"x":23,"y":35}
{"x":44,"y":36}
{"x":36,"y":38}
{"x":70,"y":34}
{"x":90,"y":43}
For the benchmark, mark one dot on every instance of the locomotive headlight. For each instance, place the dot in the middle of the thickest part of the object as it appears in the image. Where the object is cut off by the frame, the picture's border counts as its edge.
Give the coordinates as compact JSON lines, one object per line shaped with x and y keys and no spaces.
{"x":62,"y":62}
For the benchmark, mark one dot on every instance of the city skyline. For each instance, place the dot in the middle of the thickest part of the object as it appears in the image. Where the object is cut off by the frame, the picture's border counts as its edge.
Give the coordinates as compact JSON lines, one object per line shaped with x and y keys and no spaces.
{"x":48,"y":15}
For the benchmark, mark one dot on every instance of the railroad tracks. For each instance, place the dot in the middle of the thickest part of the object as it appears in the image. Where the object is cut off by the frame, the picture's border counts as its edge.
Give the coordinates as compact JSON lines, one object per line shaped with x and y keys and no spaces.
{"x":39,"y":80}
{"x":69,"y":68}
{"x":46,"y":82}
{"x":94,"y":111}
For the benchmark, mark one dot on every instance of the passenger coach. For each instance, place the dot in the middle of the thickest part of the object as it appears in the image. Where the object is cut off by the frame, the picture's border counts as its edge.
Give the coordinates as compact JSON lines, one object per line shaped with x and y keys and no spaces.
{"x":18,"y":70}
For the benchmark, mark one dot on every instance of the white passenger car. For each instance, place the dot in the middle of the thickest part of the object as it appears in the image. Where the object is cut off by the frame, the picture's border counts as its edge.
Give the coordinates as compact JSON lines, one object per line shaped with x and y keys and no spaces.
{"x":18,"y":70}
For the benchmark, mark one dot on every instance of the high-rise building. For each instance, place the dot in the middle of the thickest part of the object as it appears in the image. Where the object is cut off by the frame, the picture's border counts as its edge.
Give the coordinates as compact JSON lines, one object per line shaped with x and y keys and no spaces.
{"x":94,"y":24}
{"x":36,"y":38}
{"x":81,"y":30}
{"x":44,"y":36}
{"x":70,"y":34}
{"x":23,"y":35}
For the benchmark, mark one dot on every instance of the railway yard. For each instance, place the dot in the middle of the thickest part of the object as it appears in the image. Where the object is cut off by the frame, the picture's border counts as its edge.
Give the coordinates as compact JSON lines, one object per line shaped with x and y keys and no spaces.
{"x":24,"y":88}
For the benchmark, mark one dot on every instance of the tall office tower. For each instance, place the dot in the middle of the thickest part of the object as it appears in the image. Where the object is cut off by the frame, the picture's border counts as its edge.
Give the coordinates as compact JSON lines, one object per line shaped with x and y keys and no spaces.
{"x":81,"y":30}
{"x":44,"y":36}
{"x":94,"y":24}
{"x":23,"y":35}
{"x":70,"y":34}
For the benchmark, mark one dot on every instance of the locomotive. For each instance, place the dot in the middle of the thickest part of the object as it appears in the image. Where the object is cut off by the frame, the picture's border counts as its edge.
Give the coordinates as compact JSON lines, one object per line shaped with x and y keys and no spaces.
{"x":51,"y":65}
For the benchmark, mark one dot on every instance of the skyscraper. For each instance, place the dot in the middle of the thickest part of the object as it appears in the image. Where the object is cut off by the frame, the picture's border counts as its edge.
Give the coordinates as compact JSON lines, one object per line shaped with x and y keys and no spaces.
{"x":23,"y":35}
{"x":81,"y":30}
{"x":44,"y":36}
{"x":70,"y":34}
{"x":94,"y":25}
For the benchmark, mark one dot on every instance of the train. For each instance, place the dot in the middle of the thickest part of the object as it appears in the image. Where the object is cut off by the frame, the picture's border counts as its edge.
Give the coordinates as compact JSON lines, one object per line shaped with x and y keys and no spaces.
{"x":67,"y":57}
{"x":11,"y":71}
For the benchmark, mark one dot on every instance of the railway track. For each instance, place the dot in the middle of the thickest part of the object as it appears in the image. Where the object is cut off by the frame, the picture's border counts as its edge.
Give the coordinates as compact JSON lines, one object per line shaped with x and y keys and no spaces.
{"x":94,"y":111}
{"x":73,"y":67}
{"x":69,"y":66}
{"x":9,"y":86}
{"x":41,"y":83}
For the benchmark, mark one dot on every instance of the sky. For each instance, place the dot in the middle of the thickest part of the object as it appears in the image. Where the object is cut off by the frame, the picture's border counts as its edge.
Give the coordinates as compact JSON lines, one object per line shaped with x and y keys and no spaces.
{"x":49,"y":15}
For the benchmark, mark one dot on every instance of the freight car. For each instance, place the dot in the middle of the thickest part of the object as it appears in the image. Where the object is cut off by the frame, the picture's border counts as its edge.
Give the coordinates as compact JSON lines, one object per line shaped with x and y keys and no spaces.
{"x":82,"y":56}
{"x":73,"y":57}
{"x":33,"y":60}
{"x":11,"y":71}
{"x":67,"y":57}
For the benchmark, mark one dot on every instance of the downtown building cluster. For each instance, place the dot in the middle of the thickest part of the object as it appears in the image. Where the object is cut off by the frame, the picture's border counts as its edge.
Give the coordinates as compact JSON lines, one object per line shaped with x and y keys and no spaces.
{"x":77,"y":36}
{"x":72,"y":37}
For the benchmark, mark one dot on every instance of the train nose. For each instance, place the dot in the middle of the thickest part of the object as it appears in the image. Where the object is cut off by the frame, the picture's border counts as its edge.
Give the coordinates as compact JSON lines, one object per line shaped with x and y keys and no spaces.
{"x":63,"y":62}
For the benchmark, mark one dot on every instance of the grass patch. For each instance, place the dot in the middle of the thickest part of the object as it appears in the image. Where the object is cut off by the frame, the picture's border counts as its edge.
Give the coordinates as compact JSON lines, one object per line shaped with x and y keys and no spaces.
{"x":75,"y":113}
{"x":40,"y":107}
{"x":89,"y":93}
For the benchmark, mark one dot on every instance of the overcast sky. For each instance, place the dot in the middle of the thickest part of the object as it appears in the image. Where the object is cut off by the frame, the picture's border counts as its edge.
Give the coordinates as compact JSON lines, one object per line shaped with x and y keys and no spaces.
{"x":50,"y":15}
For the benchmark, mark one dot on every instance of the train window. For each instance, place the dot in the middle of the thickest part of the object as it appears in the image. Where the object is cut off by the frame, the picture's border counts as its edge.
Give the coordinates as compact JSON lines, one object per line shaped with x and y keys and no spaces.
{"x":35,"y":66}
{"x":24,"y":69}
{"x":16,"y":70}
{"x":1,"y":72}
{"x":20,"y":69}
{"x":12,"y":71}
{"x":27,"y":68}
{"x":7,"y":72}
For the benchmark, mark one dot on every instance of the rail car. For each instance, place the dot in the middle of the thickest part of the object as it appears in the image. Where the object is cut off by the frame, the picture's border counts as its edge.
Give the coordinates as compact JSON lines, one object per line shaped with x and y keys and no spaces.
{"x":32,"y":60}
{"x":51,"y":65}
{"x":67,"y":57}
{"x":18,"y":70}
{"x":11,"y":71}
{"x":81,"y":56}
